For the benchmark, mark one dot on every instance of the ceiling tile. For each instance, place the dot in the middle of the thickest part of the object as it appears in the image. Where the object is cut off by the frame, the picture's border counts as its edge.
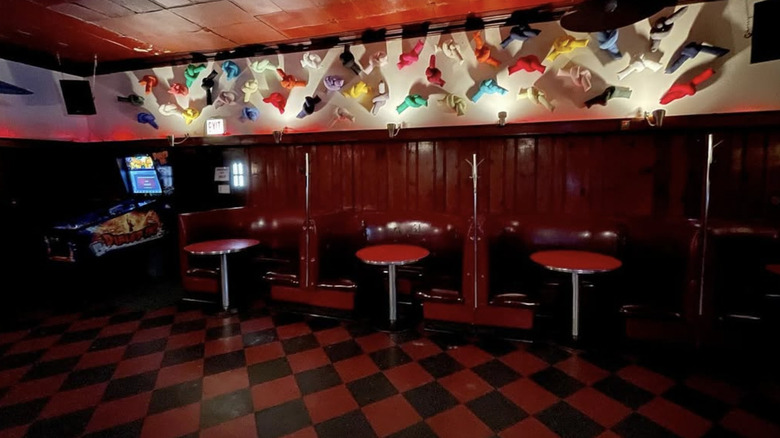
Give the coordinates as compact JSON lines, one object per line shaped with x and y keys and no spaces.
{"x":200,"y":41}
{"x":289,"y":20}
{"x":220,"y":13}
{"x":257,"y":7}
{"x":105,"y":7}
{"x":160,"y":22}
{"x":139,"y":6}
{"x":77,"y":11}
{"x":172,"y":3}
{"x":249,"y":33}
{"x":295,"y":5}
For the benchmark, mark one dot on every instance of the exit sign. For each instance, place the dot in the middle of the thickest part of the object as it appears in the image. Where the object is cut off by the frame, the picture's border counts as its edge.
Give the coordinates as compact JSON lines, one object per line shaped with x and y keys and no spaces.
{"x":215,"y":126}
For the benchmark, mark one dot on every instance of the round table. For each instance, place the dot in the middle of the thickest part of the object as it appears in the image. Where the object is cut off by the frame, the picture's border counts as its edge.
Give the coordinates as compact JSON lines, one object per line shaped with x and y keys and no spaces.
{"x":391,"y":256}
{"x":575,"y":263}
{"x":222,"y":248}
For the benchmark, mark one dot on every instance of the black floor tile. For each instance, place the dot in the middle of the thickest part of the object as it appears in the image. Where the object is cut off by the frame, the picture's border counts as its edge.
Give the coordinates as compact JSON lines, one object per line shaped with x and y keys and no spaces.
{"x":124,"y":317}
{"x":351,"y":424}
{"x":549,"y":353}
{"x":188,"y":326}
{"x":317,"y":324}
{"x":225,"y":407}
{"x":21,"y":413}
{"x":343,"y":350}
{"x":19,"y":360}
{"x":156,"y":322}
{"x":223,"y":331}
{"x":639,"y":426}
{"x":719,"y":432}
{"x":223,"y":362}
{"x":430,"y":399}
{"x":49,"y":330}
{"x":285,"y":318}
{"x":371,"y":389}
{"x":440,"y":365}
{"x":698,"y":403}
{"x":51,"y":368}
{"x":99,"y":311}
{"x":181,"y":355}
{"x":568,"y":422}
{"x":496,"y":373}
{"x":315,"y":380}
{"x":496,"y":411}
{"x":496,"y":347}
{"x":282,"y":419}
{"x":627,"y":393}
{"x":419,"y":430}
{"x":174,"y":396}
{"x":111,"y":342}
{"x":447,"y":340}
{"x":144,"y":348}
{"x":83,"y":335}
{"x":267,"y":371}
{"x":405,"y":336}
{"x":358,"y":329}
{"x":127,"y":386}
{"x":390,"y":357}
{"x":259,"y":338}
{"x":557,"y":382}
{"x":65,"y":426}
{"x":89,"y":376}
{"x":606,"y":360}
{"x":757,"y":404}
{"x":299,"y":344}
{"x":127,"y":430}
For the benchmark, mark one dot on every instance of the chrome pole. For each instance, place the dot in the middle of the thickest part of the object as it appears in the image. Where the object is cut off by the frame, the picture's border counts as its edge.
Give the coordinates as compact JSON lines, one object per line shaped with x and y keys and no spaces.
{"x":474,"y":177}
{"x":307,"y":218}
{"x":705,"y":222}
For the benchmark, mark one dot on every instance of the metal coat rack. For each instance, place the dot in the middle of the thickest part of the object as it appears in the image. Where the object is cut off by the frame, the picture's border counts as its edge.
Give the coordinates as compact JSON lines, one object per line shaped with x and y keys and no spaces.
{"x":474,"y":182}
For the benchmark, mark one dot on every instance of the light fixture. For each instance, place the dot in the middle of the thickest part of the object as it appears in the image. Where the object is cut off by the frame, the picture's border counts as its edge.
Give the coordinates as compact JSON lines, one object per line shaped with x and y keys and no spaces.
{"x":172,"y":140}
{"x":502,"y":118}
{"x":392,"y":129}
{"x":656,"y":118}
{"x":278,"y":136}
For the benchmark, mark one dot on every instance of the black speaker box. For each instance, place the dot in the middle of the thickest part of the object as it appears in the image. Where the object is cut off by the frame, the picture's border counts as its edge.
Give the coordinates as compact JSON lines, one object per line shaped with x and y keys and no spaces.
{"x":78,"y":97}
{"x":765,"y":20}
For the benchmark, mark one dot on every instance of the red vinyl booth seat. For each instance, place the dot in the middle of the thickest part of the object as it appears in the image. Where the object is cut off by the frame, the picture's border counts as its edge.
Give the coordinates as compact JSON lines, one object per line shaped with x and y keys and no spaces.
{"x":276,"y":258}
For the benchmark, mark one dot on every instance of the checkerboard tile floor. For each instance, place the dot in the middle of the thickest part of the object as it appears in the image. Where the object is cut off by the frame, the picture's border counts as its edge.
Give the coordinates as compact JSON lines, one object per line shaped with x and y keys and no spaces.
{"x":177,"y":371}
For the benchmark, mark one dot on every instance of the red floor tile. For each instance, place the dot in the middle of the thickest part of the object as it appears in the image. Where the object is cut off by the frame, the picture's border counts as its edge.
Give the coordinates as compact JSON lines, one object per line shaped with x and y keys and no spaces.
{"x":748,"y":425}
{"x":605,"y":410}
{"x":151,"y":334}
{"x":66,"y":350}
{"x":257,"y":324}
{"x":715,"y":388}
{"x":408,"y":376}
{"x":391,"y":415}
{"x":528,"y":395}
{"x":119,"y":329}
{"x":183,"y":372}
{"x":172,"y":423}
{"x":332,"y":336}
{"x":185,"y":340}
{"x":375,"y":342}
{"x":164,"y":311}
{"x":528,"y":428}
{"x":646,"y":379}
{"x":188,"y":316}
{"x":465,"y":385}
{"x":275,"y":392}
{"x":89,"y":324}
{"x":14,"y":432}
{"x":224,"y":345}
{"x":221,"y":322}
{"x":293,"y":330}
{"x":308,"y":360}
{"x":458,"y":422}
{"x":70,"y":401}
{"x":120,"y":411}
{"x":469,"y":355}
{"x":675,"y":418}
{"x":263,"y":353}
{"x":102,"y":357}
{"x":224,"y":383}
{"x":582,"y":370}
{"x":608,"y":434}
{"x":138,"y":365}
{"x":355,"y":368}
{"x":523,"y":362}
{"x":26,"y":391}
{"x":10,"y":337}
{"x":241,"y":427}
{"x":329,"y":403}
{"x":420,"y":348}
{"x":33,"y":344}
{"x":9,"y":377}
{"x":61,"y":319}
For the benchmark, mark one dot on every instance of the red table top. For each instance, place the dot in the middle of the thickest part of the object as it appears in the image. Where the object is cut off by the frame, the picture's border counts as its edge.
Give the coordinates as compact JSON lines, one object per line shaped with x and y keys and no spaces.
{"x":580,"y":262}
{"x":775,"y":269}
{"x":218,"y":247}
{"x":391,"y":254}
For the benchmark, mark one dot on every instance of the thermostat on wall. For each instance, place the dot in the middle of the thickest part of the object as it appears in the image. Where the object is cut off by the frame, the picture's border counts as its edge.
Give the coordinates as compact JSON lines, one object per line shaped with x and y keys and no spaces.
{"x":215,"y":126}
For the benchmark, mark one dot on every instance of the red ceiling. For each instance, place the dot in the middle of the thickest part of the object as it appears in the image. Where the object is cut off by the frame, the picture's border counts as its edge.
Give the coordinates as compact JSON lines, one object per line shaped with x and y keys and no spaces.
{"x":145,"y":30}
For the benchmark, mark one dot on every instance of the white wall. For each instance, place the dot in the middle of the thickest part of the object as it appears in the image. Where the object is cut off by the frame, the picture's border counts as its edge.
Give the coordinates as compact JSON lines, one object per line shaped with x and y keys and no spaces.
{"x":737,"y":86}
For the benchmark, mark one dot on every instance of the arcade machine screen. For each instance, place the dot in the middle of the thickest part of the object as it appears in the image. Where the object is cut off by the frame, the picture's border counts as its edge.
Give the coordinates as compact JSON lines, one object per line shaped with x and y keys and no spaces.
{"x":135,"y":220}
